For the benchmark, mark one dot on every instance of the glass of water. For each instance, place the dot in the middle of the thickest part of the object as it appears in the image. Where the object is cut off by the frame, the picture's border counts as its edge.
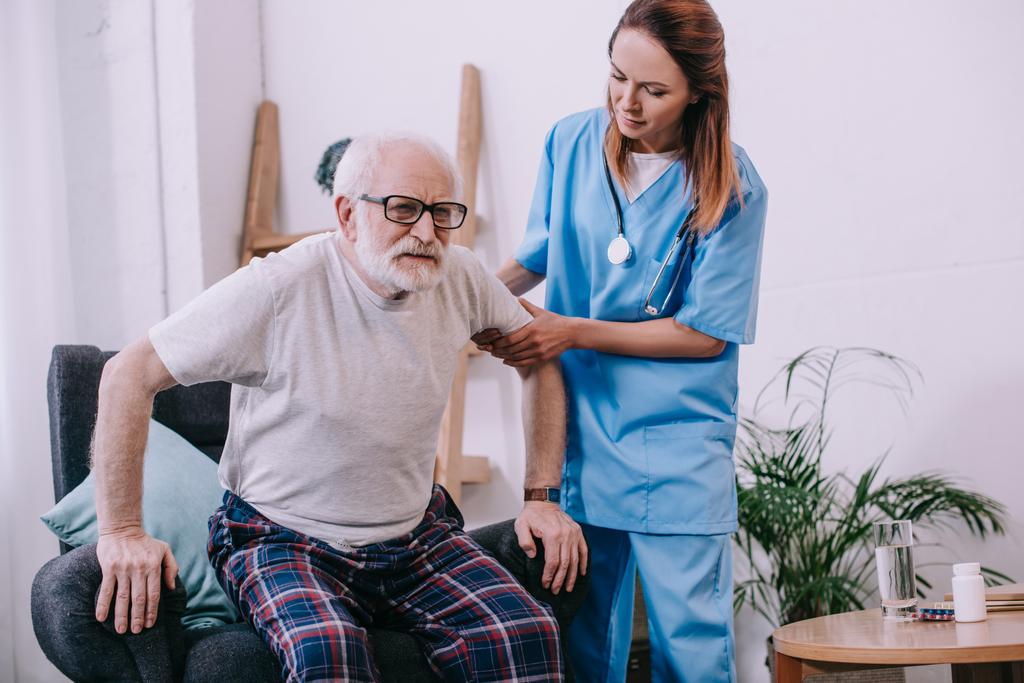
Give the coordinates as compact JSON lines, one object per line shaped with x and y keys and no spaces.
{"x":894,"y":561}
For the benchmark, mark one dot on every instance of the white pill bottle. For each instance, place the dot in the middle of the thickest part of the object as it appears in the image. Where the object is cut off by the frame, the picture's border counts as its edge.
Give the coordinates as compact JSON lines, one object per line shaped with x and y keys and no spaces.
{"x":968,"y":592}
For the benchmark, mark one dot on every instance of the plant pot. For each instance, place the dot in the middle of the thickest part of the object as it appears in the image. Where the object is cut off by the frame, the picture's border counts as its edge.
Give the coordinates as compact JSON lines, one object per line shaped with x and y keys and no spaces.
{"x":895,"y":675}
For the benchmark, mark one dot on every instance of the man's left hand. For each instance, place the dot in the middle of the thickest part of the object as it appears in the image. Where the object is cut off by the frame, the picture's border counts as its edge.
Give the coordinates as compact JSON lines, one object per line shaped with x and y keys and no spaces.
{"x":565,"y":549}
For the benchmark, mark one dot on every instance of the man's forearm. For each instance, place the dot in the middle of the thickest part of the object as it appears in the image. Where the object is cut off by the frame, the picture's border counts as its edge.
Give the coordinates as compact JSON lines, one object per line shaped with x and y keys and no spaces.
{"x":544,"y":423}
{"x":565,"y":550}
{"x":130,"y":381}
{"x":122,"y":427}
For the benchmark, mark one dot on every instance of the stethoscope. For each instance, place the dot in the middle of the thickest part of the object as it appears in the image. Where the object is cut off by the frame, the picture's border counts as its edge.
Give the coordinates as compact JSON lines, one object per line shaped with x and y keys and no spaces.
{"x":620,"y":251}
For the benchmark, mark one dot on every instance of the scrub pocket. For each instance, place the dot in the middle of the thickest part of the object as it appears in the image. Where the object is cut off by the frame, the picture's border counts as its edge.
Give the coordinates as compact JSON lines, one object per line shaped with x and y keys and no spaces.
{"x":675,"y":301}
{"x":692,"y":477}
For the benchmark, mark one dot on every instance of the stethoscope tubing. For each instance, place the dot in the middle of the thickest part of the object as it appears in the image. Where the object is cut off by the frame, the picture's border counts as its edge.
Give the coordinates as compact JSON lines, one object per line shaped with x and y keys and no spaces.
{"x":684,"y":230}
{"x":648,"y":308}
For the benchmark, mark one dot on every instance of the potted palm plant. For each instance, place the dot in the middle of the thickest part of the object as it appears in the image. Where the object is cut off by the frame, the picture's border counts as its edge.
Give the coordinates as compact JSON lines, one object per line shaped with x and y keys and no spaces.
{"x":804,"y":531}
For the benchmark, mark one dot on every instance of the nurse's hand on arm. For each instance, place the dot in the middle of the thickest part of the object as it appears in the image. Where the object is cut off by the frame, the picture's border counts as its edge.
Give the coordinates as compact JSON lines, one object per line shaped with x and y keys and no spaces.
{"x":550,"y":334}
{"x":565,"y":549}
{"x":133,"y":562}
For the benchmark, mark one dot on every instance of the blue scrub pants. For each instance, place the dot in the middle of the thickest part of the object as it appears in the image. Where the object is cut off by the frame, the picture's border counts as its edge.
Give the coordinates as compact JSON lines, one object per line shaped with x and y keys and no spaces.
{"x":687,"y":584}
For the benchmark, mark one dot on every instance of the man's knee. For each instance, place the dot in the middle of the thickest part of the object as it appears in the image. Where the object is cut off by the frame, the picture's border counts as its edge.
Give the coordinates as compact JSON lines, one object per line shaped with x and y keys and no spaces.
{"x":331,"y":651}
{"x":70,"y":580}
{"x":64,"y":614}
{"x":537,"y":626}
{"x":529,"y":630}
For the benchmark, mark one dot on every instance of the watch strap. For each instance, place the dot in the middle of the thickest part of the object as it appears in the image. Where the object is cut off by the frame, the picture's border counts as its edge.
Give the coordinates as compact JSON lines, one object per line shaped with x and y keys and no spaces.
{"x":547,"y":494}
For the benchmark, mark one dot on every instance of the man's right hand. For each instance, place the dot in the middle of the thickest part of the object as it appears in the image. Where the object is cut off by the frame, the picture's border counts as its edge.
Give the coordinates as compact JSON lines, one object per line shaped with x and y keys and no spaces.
{"x":133,"y":563}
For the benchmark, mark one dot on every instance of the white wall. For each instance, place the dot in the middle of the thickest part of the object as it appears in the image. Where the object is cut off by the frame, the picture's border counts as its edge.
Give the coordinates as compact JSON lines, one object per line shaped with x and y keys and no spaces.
{"x":887,"y":134}
{"x":209,"y":86}
{"x":35,"y":311}
{"x":111,"y":162}
{"x":229,"y":89}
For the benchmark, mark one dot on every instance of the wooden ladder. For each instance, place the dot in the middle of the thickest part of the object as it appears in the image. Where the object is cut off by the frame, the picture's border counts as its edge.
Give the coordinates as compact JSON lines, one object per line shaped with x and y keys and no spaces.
{"x":258,"y":236}
{"x":452,"y":469}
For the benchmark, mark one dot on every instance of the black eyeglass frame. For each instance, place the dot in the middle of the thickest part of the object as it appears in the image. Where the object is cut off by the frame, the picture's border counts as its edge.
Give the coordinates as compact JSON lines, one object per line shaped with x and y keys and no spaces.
{"x":383,"y":201}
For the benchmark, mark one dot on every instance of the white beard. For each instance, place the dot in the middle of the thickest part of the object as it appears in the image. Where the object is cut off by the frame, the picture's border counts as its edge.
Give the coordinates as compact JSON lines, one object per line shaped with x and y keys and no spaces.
{"x":399,"y":275}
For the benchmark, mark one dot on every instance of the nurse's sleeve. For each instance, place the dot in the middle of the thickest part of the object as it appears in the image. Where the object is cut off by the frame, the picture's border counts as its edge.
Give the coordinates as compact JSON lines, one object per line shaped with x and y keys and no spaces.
{"x":721,"y":299}
{"x":532,"y":254}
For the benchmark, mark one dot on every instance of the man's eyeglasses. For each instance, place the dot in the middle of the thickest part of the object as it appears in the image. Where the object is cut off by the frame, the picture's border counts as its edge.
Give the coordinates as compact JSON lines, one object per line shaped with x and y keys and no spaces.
{"x":407,"y":210}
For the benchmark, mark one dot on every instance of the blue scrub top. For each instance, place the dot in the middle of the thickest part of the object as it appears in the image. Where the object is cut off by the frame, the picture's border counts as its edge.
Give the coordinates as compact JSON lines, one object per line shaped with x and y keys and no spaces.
{"x":649,"y":440}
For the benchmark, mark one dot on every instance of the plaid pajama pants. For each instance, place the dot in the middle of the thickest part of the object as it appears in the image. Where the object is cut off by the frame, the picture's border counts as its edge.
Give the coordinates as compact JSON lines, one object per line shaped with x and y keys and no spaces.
{"x":311,"y":602}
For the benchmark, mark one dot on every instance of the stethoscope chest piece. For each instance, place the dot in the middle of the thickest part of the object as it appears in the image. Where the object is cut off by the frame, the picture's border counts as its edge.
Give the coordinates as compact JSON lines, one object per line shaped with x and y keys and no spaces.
{"x":619,"y":250}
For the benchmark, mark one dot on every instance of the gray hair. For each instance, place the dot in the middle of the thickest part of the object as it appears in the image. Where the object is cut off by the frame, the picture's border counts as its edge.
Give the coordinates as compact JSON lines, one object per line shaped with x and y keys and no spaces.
{"x":354,"y":172}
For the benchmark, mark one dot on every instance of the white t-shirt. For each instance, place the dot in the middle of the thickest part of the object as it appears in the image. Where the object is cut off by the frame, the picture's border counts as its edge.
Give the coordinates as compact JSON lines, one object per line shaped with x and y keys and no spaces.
{"x":645,"y":170}
{"x":338,"y":393}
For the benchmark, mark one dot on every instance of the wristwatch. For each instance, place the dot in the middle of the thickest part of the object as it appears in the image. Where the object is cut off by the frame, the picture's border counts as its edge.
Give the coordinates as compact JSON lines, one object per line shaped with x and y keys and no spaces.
{"x":548,"y":495}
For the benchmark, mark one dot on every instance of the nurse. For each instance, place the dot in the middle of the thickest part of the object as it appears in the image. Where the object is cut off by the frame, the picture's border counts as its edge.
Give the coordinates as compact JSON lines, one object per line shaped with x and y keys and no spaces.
{"x":647,"y":224}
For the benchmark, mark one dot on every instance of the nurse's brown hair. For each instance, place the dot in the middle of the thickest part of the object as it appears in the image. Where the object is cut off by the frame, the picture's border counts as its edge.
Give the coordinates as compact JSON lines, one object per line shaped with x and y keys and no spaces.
{"x":691,"y":34}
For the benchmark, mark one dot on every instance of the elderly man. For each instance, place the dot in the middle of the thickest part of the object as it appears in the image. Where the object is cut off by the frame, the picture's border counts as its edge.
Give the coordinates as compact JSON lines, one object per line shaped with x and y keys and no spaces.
{"x":342,"y":350}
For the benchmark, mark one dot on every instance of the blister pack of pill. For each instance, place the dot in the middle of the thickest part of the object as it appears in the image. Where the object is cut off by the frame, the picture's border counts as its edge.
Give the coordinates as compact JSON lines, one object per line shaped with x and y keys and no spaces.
{"x":939,"y":611}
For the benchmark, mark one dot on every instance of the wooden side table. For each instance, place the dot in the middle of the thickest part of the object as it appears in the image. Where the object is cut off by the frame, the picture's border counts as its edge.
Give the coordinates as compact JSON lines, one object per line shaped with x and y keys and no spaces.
{"x":984,"y":652}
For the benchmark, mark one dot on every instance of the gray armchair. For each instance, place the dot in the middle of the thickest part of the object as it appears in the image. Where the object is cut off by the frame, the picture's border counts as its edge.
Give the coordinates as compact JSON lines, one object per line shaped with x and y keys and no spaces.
{"x":64,"y":590}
